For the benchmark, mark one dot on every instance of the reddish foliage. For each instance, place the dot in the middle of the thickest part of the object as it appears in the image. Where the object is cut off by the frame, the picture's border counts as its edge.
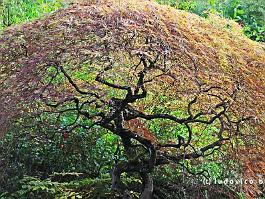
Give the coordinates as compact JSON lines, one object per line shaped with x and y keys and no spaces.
{"x":139,"y":128}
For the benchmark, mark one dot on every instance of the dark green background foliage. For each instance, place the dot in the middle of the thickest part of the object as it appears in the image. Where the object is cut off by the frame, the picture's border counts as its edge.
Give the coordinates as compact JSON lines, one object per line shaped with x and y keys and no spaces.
{"x":17,"y":11}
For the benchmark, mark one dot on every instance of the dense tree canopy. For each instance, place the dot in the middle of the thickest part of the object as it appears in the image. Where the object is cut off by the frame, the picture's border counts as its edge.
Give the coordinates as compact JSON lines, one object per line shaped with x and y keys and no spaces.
{"x":158,"y":78}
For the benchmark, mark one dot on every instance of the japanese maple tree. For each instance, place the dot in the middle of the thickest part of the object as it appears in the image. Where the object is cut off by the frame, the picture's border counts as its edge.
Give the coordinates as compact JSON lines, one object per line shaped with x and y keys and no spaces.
{"x":121,"y":66}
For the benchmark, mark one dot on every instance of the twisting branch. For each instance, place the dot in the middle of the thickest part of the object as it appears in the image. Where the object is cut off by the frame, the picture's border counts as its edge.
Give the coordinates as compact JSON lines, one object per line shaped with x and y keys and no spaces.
{"x":154,"y":154}
{"x":101,"y":80}
{"x":74,"y":84}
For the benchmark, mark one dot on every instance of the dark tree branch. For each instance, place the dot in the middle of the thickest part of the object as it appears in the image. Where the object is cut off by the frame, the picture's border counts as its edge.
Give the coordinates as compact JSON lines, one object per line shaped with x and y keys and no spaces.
{"x":154,"y":153}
